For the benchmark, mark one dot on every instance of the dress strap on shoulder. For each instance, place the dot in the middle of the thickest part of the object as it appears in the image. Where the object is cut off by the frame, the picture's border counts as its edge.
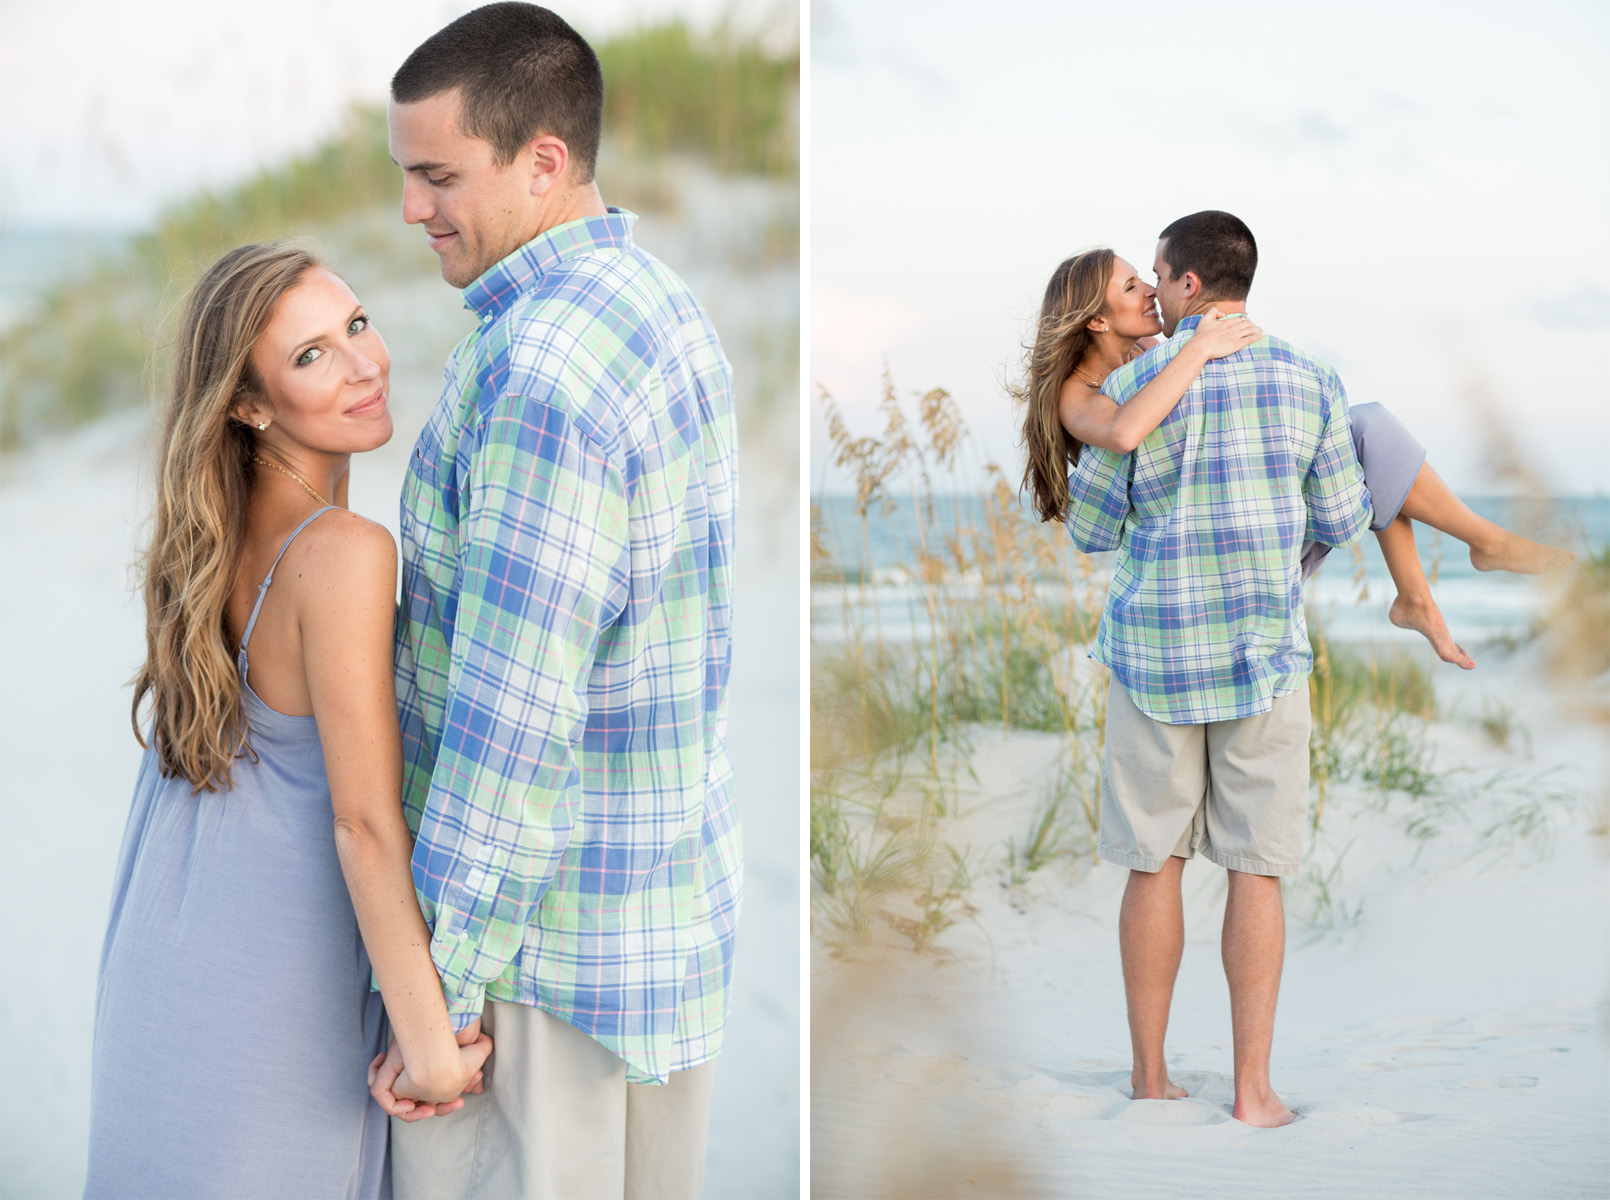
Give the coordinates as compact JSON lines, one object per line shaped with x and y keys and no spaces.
{"x":262,"y":588}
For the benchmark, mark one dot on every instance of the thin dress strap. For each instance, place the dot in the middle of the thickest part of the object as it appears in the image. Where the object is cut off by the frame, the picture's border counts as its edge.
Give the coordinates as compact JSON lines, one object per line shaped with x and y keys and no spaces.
{"x":262,"y":588}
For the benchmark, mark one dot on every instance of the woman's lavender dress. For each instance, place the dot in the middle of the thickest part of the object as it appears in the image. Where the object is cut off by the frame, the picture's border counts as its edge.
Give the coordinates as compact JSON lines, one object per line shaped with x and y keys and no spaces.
{"x":234,"y":1023}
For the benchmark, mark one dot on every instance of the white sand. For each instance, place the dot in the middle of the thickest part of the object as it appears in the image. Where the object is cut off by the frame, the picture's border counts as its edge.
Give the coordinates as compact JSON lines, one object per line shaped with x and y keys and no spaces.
{"x":1451,"y":1043}
{"x":71,"y":635}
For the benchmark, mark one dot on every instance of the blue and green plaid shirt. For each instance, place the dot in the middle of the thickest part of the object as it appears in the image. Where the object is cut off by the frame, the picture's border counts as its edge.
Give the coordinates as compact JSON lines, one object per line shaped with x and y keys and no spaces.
{"x":1204,"y":616}
{"x":563,"y":652}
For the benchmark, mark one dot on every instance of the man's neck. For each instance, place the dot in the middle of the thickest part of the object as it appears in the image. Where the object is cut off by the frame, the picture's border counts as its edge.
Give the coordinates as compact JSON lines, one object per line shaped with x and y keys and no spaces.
{"x":576,"y":204}
{"x":1197,"y":307}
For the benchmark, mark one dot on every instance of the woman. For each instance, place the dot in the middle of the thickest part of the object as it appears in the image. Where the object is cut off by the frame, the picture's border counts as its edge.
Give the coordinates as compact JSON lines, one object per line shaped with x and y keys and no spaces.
{"x":1098,"y":314}
{"x":234,"y":1018}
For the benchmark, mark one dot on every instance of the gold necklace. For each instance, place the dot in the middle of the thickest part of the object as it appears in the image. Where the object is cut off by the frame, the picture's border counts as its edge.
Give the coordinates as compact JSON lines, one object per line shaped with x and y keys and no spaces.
{"x":292,"y":474}
{"x":1095,"y":383}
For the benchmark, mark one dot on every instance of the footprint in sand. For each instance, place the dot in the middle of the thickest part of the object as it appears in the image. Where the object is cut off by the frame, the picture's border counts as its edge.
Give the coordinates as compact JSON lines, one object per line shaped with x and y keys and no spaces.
{"x":1104,"y":1096}
{"x":1169,"y":1112}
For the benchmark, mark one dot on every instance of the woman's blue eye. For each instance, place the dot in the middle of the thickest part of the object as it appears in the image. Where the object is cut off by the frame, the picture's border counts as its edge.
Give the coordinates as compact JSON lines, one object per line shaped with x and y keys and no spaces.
{"x":359,"y":324}
{"x":308,"y":356}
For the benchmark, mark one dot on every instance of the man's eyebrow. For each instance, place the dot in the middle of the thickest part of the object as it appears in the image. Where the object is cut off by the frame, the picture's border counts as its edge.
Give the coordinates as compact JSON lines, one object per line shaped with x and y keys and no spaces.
{"x":429,"y":167}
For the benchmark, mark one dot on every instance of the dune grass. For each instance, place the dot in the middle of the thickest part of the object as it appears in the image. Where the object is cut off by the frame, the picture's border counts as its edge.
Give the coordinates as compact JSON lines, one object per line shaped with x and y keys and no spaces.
{"x":1001,"y":611}
{"x":99,"y":342}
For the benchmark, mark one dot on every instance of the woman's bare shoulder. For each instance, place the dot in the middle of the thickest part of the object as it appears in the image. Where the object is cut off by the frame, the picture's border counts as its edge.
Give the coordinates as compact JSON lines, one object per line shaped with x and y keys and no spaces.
{"x":1074,"y":392}
{"x":343,"y":554}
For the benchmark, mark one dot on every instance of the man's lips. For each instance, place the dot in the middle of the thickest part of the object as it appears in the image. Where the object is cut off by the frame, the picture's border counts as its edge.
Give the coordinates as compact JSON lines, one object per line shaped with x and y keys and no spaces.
{"x":438,"y":240}
{"x":369,"y":404}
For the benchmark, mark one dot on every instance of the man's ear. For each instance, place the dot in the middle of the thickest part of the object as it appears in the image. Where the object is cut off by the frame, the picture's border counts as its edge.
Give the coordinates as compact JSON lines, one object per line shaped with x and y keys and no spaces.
{"x":549,"y":158}
{"x":1192,"y":285}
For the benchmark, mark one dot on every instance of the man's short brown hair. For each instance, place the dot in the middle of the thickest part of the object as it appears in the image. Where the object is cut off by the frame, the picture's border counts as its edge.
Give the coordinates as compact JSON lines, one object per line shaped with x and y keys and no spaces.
{"x":1218,"y":247}
{"x":522,"y":71}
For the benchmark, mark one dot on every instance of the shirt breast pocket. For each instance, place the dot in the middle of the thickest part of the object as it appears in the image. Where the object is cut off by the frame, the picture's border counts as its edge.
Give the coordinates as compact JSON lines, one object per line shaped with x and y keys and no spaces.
{"x":422,"y":489}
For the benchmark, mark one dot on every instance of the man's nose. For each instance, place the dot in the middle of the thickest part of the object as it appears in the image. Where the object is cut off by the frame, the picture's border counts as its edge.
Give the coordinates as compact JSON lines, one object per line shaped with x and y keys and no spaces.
{"x":416,"y":206}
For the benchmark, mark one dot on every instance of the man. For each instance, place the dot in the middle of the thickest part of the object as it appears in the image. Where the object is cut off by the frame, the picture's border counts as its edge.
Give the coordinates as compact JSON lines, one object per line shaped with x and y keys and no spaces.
{"x":1203,"y":629}
{"x":562,"y":647}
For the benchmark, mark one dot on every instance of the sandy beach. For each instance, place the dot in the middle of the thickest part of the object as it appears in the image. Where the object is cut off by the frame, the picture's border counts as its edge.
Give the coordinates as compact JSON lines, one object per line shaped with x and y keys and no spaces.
{"x":1442,"y":1029}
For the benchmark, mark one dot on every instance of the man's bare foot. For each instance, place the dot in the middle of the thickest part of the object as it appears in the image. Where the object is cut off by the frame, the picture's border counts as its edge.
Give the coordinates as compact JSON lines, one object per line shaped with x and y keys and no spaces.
{"x":1425,"y":618}
{"x":1511,"y":552}
{"x":1165,"y":1089}
{"x":1263,"y":1110}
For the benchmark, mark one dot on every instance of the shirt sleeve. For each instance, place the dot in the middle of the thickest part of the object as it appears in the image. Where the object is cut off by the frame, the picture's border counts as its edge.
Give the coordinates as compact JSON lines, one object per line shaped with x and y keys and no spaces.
{"x":544,"y":567}
{"x":1098,"y":499}
{"x":1338,"y":503}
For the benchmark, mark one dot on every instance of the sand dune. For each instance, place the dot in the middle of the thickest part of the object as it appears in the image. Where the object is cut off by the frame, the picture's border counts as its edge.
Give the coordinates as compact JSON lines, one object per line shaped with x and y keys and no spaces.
{"x":1442,"y":1031}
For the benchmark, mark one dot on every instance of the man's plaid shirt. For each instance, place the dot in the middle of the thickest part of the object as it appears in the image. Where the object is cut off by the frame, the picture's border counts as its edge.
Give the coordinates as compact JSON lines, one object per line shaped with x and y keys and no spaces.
{"x":1204,"y":616}
{"x":563,"y":652}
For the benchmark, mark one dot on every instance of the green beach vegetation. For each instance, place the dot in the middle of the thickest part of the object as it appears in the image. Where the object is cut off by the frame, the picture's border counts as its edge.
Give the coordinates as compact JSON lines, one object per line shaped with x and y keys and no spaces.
{"x":98,"y":342}
{"x":1002,"y":608}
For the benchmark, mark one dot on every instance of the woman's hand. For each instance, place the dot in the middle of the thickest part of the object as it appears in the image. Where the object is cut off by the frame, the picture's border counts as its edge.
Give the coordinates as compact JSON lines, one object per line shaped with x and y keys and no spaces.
{"x":1218,"y":336}
{"x":436,"y":1088}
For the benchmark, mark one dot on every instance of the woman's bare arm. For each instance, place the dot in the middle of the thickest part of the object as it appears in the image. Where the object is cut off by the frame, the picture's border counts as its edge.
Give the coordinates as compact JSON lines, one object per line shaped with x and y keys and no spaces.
{"x":345,"y":607}
{"x":1096,"y":420}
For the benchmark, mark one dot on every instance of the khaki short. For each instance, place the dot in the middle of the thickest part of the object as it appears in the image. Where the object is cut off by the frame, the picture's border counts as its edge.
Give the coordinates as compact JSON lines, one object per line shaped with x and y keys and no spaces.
{"x":1235,"y":790}
{"x":558,"y":1121}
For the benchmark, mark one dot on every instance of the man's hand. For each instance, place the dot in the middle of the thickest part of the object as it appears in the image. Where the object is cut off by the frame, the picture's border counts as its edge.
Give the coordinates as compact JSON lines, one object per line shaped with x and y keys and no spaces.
{"x":468,"y":1036}
{"x":390,"y":1084}
{"x":383,"y":1074}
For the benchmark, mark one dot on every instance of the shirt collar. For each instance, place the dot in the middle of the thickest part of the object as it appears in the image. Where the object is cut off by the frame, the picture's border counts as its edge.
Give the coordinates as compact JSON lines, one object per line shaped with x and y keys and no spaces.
{"x":1187,"y":324}
{"x":521,"y":271}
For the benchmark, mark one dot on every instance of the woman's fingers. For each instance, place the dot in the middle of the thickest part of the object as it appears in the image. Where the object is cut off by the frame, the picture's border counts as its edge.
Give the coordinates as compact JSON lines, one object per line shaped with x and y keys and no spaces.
{"x":382,"y":1077}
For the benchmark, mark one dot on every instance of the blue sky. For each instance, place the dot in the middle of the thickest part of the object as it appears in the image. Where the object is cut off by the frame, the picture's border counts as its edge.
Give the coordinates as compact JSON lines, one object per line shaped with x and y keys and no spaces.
{"x":1427,"y":182}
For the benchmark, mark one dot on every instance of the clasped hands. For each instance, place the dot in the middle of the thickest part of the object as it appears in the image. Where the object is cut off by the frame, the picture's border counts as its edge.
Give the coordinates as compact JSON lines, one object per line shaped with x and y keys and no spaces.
{"x":433,"y":1089}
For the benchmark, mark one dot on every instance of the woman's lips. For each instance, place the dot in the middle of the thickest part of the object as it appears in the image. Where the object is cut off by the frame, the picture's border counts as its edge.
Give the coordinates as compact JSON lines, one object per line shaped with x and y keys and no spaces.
{"x":372,"y":404}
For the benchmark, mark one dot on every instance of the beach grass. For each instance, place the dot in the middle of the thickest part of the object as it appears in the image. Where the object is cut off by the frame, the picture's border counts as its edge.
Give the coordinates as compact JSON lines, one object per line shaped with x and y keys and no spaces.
{"x":99,"y":342}
{"x":1001,"y":610}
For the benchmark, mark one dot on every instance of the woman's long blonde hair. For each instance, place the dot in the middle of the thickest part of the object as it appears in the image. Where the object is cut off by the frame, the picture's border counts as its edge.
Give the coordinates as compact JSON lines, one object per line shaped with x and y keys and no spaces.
{"x":203,"y":485}
{"x":1077,"y":293}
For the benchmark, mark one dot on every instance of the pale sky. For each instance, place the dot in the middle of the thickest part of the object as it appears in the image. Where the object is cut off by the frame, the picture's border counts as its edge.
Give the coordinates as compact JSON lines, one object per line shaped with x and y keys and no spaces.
{"x":1427,"y":182}
{"x":125,"y":106}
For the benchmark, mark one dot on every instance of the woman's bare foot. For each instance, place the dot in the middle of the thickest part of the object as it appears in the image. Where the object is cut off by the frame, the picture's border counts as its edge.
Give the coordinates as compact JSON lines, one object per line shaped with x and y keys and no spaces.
{"x":1511,"y":552}
{"x":1163,"y":1089}
{"x":1423,"y":616}
{"x":1263,"y":1110}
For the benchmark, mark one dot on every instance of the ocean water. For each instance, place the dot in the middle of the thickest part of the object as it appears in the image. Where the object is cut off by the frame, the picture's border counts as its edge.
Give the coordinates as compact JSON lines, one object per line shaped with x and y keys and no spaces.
{"x":1351,"y":592}
{"x":33,"y":259}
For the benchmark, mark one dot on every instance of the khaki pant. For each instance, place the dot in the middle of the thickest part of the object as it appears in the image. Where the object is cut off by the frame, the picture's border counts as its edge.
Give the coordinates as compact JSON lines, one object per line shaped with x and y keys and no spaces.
{"x":1237,"y":791}
{"x":558,"y":1121}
